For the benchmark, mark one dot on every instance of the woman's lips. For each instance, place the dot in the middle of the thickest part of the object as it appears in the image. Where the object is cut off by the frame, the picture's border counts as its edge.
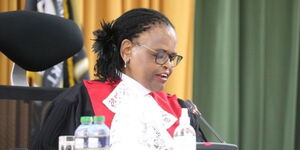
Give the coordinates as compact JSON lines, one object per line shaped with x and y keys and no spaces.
{"x":162,"y":77}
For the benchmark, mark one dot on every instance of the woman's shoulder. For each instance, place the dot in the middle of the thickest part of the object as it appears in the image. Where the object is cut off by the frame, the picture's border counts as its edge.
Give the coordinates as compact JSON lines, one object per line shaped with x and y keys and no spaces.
{"x":72,"y":94}
{"x":84,"y":90}
{"x":96,"y":86}
{"x":81,"y":87}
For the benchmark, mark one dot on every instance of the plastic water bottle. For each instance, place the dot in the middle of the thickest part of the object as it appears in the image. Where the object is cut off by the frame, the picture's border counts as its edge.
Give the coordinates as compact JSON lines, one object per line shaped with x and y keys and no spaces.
{"x":81,"y":133}
{"x":184,"y":134}
{"x":98,"y":134}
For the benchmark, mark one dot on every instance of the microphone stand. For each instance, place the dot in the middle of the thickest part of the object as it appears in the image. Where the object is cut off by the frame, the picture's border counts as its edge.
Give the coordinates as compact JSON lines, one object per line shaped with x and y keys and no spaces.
{"x":207,"y":124}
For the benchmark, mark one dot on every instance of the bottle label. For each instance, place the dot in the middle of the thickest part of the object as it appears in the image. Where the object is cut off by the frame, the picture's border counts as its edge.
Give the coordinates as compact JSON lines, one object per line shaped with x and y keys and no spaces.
{"x":187,"y":142}
{"x":93,"y":142}
{"x":79,"y":143}
{"x":98,"y":142}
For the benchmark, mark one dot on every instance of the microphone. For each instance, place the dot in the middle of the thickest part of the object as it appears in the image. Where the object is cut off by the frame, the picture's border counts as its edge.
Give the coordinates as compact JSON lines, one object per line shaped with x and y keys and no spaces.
{"x":194,"y":109}
{"x":36,"y":41}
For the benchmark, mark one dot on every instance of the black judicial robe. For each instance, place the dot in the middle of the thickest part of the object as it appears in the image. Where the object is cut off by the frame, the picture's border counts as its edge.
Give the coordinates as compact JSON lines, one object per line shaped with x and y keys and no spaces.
{"x":64,"y":115}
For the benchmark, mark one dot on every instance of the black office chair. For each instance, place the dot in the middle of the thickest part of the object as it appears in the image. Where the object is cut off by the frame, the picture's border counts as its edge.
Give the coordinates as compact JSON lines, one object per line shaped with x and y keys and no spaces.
{"x":34,"y":42}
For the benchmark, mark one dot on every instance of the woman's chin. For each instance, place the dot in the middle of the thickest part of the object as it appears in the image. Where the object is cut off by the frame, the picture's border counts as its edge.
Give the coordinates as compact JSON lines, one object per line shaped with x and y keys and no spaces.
{"x":157,"y":88}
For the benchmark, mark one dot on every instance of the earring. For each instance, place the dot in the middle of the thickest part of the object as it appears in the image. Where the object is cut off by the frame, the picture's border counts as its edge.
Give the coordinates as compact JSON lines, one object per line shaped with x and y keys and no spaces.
{"x":125,"y":63}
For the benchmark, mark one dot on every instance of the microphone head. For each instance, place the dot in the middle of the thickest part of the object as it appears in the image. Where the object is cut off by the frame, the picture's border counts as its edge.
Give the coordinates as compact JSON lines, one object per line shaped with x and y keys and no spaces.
{"x":36,"y":41}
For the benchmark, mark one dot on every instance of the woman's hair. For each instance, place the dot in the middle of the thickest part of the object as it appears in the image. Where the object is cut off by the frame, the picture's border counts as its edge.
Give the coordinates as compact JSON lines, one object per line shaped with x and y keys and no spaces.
{"x":109,"y":63}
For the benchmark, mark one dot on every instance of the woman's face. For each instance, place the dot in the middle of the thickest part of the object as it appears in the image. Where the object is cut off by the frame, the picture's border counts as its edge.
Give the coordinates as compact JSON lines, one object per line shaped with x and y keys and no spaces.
{"x":142,"y":65}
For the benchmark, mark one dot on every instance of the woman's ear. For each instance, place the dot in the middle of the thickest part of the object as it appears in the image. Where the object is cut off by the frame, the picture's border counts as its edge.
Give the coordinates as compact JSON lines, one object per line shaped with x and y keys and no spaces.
{"x":125,"y":50}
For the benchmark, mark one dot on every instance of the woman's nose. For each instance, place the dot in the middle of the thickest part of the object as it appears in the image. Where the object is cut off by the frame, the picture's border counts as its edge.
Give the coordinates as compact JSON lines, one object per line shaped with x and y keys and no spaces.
{"x":168,"y":65}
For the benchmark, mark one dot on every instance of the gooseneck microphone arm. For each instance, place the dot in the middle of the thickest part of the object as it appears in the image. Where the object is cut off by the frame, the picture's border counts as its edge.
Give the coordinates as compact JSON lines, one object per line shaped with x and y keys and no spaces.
{"x":195,"y":109}
{"x":211,"y":129}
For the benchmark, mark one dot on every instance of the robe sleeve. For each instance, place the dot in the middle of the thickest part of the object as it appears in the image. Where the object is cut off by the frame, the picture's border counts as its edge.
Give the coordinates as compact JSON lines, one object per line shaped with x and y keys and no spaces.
{"x":63,"y":117}
{"x":194,"y":119}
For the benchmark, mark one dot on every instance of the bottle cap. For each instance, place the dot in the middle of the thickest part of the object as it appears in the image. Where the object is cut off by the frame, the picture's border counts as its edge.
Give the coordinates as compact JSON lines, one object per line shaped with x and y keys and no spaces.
{"x":99,"y":118}
{"x":85,"y":119}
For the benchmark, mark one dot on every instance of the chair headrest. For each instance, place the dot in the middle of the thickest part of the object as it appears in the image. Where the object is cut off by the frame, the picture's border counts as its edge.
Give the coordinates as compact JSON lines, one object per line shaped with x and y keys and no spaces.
{"x":36,"y":41}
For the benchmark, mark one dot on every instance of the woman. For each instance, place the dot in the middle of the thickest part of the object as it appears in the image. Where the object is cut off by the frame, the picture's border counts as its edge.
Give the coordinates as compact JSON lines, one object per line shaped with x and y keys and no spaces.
{"x":136,"y":55}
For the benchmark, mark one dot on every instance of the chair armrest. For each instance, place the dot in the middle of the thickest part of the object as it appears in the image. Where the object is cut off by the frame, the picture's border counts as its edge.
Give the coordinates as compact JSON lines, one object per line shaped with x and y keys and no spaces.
{"x":28,"y":93}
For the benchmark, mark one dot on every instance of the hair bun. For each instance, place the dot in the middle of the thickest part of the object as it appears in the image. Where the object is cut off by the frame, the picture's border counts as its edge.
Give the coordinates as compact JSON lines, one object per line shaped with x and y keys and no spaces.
{"x":105,"y":40}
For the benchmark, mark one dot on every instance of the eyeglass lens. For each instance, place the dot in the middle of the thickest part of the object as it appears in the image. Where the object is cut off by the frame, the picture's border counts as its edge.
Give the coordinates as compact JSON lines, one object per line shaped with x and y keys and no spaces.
{"x":162,"y":57}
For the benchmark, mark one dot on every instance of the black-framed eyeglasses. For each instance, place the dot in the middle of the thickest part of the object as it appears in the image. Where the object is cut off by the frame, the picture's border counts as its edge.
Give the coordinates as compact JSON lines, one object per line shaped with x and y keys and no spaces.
{"x":161,"y":56}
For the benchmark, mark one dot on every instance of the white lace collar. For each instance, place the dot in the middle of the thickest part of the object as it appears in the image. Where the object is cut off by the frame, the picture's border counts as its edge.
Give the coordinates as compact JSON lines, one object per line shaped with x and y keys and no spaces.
{"x":139,"y":122}
{"x":135,"y":85}
{"x":127,"y":90}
